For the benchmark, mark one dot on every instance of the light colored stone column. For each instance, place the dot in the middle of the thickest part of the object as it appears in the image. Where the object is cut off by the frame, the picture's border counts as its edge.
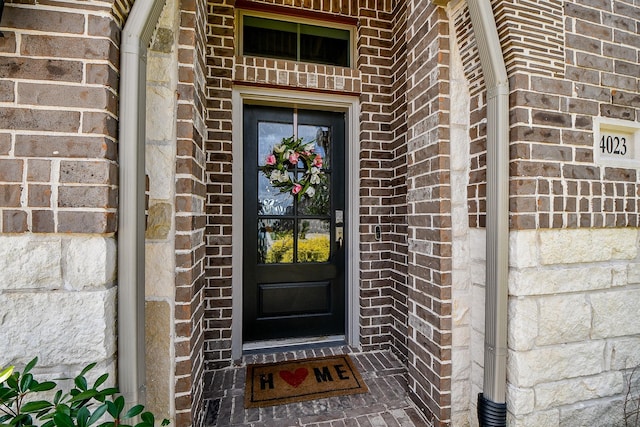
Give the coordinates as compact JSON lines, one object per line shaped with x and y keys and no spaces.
{"x":160,"y":259}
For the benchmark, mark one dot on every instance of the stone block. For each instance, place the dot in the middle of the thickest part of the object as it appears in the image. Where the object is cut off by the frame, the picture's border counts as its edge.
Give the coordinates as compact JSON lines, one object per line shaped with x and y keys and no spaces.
{"x":535,"y":419}
{"x":615,"y":313}
{"x":89,"y":262}
{"x":600,"y":413}
{"x":160,"y":269}
{"x":633,"y":273}
{"x":587,"y":245}
{"x":159,"y":221}
{"x":552,"y":281}
{"x":70,"y":328}
{"x":477,"y":314}
{"x":158,"y":358}
{"x":540,"y":365}
{"x":44,"y":269}
{"x":161,"y":106}
{"x":478,"y":244}
{"x":160,"y":166}
{"x":157,"y":71}
{"x":461,"y":312}
{"x":477,"y":353}
{"x":523,"y":249}
{"x":520,"y":400}
{"x":623,"y":353}
{"x":460,"y":365}
{"x":523,"y":323}
{"x":569,"y":391}
{"x":563,"y":318}
{"x":460,"y":392}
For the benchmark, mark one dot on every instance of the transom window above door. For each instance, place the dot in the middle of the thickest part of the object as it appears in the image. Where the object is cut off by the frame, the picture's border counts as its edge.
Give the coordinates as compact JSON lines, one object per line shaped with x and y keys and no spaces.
{"x":294,"y":40}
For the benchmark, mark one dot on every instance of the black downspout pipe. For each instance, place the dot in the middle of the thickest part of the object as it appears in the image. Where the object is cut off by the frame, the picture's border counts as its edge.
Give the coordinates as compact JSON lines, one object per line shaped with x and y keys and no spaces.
{"x":490,"y":413}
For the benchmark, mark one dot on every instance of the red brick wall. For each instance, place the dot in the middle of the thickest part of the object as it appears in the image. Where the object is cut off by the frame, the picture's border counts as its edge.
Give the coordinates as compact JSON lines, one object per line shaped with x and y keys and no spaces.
{"x":190,"y":215}
{"x":396,"y":230}
{"x":429,"y":210}
{"x":58,"y":106}
{"x":219,"y":54}
{"x":555,"y":182}
{"x":375,"y":62}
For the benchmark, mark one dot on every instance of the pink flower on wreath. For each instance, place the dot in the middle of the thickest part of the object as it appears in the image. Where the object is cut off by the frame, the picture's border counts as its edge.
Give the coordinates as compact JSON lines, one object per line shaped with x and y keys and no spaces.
{"x":271,"y":160}
{"x":317,"y":161}
{"x":293,"y":158}
{"x":296,"y":188}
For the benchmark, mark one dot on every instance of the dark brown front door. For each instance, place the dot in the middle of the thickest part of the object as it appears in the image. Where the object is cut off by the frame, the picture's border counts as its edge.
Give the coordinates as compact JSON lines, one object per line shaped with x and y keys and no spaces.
{"x":294,"y":252}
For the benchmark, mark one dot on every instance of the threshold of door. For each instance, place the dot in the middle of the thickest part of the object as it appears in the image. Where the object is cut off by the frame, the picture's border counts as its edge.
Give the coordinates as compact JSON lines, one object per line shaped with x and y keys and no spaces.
{"x":289,"y":344}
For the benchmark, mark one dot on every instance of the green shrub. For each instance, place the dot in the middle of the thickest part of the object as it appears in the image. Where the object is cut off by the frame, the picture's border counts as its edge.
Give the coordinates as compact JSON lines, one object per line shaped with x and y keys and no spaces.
{"x":83,"y":406}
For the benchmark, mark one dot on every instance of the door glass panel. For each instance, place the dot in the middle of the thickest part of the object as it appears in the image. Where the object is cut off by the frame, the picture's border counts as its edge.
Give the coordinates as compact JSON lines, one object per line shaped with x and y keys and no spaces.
{"x":314,"y":240}
{"x":320,"y":135}
{"x":271,"y":201}
{"x":275,"y":241}
{"x":320,"y":203}
{"x":270,"y":134}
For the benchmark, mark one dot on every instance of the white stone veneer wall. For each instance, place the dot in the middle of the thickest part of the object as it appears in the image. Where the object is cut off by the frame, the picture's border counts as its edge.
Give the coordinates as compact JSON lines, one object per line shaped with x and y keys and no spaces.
{"x":574,"y":325}
{"x":160,"y":259}
{"x":461,"y":274}
{"x":57,"y":299}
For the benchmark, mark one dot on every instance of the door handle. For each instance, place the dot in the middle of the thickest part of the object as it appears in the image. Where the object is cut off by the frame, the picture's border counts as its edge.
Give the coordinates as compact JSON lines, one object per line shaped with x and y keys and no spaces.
{"x":339,"y":220}
{"x":339,"y":236}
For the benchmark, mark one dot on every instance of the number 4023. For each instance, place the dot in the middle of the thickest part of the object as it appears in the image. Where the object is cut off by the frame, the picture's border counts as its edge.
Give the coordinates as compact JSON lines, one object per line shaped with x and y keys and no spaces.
{"x":613,"y":145}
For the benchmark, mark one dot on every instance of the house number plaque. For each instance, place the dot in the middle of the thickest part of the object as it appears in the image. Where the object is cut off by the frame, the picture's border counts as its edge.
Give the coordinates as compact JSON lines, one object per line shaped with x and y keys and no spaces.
{"x":616,"y":143}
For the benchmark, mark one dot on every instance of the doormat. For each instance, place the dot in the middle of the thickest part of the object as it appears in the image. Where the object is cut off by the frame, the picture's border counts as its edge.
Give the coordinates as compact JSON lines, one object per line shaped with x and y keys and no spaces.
{"x":298,"y":380}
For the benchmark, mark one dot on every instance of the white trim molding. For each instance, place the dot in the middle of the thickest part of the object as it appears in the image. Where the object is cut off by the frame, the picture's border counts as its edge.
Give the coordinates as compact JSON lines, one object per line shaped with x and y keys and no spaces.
{"x":316,"y":101}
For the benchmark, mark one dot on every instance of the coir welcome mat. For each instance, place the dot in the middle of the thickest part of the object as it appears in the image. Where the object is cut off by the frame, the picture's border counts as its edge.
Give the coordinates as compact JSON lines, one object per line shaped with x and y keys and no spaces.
{"x":298,"y":380}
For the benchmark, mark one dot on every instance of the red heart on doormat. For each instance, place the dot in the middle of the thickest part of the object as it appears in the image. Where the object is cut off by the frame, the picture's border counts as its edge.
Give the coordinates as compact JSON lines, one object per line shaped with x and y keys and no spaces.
{"x":294,"y":379}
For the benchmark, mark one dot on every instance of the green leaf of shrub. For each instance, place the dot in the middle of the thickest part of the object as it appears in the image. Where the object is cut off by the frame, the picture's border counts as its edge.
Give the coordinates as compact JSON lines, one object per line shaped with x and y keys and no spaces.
{"x":36,"y":406}
{"x":63,"y":420}
{"x":136,"y":410}
{"x":119,"y":402}
{"x":110,"y":391}
{"x":12,"y":381}
{"x":45,"y":386}
{"x":30,"y":365}
{"x":25,"y":382}
{"x":113,"y":409}
{"x":101,"y":379}
{"x":6,"y":373}
{"x":97,"y":414}
{"x":21,"y":420}
{"x":83,"y":417}
{"x":85,"y":395}
{"x":87,"y":369}
{"x":81,"y":382}
{"x":148,"y":418}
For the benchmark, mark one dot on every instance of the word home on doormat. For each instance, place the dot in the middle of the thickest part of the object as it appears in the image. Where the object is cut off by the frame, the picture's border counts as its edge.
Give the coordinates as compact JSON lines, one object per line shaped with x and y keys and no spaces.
{"x":298,"y":380}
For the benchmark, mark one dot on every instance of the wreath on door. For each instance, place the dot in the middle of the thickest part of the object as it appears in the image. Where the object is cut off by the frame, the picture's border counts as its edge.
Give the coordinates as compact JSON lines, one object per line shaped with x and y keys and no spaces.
{"x":294,"y":167}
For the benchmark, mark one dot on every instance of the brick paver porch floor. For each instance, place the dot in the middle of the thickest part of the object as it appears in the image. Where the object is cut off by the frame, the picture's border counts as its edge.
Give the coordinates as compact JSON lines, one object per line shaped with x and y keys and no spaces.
{"x":386,"y":403}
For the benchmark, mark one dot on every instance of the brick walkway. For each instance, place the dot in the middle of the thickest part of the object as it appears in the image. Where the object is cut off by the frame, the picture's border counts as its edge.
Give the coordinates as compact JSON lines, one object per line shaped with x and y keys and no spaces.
{"x":386,"y":404}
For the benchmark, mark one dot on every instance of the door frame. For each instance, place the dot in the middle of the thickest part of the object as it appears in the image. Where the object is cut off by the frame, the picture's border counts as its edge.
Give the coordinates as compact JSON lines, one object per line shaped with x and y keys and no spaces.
{"x":307,"y":100}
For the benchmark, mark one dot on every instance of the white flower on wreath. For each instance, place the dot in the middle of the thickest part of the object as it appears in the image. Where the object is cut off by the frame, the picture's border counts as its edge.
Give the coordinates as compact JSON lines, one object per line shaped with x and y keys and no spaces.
{"x":315,"y":176}
{"x":278,"y":176}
